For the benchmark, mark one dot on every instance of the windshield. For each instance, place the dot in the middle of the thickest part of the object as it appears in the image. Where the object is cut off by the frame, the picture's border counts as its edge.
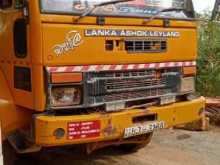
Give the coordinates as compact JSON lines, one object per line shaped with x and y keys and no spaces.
{"x":135,"y":8}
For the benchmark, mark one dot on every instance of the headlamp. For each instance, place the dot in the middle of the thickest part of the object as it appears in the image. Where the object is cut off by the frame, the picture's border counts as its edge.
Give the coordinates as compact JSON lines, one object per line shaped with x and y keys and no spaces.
{"x":65,"y":96}
{"x":187,"y":85}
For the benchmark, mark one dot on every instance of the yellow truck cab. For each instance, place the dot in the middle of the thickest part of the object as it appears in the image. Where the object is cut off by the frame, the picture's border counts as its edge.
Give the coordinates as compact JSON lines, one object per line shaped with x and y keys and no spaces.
{"x":96,"y":72}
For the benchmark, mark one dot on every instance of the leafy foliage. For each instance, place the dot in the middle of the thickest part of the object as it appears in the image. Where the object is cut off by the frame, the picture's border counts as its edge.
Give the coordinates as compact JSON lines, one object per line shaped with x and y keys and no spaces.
{"x":208,"y":79}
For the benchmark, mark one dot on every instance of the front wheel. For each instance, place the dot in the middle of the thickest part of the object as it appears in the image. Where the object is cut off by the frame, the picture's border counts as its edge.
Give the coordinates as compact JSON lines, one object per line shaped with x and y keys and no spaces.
{"x":142,"y":142}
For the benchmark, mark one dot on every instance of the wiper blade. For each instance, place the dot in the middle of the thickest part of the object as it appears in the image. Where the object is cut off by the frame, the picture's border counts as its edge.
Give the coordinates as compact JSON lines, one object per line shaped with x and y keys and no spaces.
{"x":162,"y":11}
{"x":89,"y":11}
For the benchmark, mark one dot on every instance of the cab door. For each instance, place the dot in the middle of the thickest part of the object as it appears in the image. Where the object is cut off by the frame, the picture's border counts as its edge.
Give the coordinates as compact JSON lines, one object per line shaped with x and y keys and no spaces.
{"x":14,"y":55}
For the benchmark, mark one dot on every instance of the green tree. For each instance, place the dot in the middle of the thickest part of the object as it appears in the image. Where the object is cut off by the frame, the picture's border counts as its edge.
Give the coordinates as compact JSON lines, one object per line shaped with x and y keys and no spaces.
{"x":208,"y":79}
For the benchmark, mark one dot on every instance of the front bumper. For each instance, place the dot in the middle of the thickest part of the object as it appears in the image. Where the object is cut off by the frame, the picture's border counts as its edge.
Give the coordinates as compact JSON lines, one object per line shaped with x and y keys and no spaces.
{"x":112,"y":125}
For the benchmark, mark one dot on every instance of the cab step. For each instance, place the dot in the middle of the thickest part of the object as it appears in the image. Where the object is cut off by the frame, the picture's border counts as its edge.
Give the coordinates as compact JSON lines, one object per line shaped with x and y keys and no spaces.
{"x":22,"y":144}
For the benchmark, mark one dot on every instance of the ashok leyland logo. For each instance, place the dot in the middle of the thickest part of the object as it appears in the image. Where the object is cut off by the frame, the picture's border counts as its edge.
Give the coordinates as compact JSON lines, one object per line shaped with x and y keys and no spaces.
{"x":73,"y":40}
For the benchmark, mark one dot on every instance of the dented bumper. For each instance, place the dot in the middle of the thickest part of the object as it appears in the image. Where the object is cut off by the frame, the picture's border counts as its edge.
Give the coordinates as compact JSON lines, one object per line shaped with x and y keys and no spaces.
{"x":81,"y":129}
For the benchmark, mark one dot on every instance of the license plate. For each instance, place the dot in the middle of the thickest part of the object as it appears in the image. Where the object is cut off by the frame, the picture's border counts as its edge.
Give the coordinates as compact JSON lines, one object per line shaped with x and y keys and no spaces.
{"x":143,"y":129}
{"x":84,"y":130}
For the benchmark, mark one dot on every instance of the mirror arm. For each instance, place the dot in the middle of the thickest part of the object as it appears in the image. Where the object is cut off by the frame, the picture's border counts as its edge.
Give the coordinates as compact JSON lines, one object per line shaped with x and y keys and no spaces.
{"x":26,"y":11}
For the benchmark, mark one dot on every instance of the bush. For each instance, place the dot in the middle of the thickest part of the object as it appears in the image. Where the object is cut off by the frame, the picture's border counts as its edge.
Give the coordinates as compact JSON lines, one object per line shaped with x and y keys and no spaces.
{"x":208,"y":79}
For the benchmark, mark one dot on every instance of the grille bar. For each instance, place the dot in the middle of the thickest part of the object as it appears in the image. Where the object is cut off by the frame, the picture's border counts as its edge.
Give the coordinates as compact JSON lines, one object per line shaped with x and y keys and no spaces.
{"x":136,"y":95}
{"x":134,"y":89}
{"x":146,"y":46}
{"x":136,"y":84}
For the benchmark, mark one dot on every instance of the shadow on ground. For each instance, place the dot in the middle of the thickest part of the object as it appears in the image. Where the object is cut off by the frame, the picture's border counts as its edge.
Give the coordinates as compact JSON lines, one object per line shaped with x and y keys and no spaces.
{"x":168,"y":147}
{"x":63,"y":156}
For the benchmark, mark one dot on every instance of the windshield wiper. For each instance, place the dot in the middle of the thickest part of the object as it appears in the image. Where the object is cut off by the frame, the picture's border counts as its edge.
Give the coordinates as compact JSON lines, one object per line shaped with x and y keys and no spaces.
{"x":90,"y":10}
{"x":162,"y":11}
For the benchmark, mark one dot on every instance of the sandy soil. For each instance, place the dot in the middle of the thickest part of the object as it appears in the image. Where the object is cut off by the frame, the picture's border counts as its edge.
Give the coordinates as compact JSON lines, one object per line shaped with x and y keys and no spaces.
{"x":168,"y":147}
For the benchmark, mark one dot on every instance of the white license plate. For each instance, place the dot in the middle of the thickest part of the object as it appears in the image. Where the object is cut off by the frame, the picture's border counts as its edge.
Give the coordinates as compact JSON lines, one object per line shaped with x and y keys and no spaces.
{"x":143,"y":129}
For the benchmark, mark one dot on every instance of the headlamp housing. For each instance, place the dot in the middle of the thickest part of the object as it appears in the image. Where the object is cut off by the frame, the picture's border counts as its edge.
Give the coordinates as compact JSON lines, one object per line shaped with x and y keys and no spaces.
{"x":62,"y":96}
{"x":187,"y":85}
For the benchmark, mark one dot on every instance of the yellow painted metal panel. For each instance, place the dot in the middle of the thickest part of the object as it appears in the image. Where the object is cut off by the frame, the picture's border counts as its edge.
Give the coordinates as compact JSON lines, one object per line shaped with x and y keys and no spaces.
{"x":11,"y":116}
{"x":183,"y":48}
{"x":174,"y":114}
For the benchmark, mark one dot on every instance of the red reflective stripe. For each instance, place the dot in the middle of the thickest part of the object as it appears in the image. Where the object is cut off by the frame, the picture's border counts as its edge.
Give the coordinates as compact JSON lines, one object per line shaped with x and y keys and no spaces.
{"x":136,"y":66}
{"x":70,"y":69}
{"x":112,"y":67}
{"x":99,"y":67}
{"x":53,"y":69}
{"x":125,"y":67}
{"x":85,"y":68}
{"x":119,"y":67}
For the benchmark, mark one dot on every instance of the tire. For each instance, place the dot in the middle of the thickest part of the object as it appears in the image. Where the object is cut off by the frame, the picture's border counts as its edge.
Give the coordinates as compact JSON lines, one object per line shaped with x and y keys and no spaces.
{"x":134,"y":147}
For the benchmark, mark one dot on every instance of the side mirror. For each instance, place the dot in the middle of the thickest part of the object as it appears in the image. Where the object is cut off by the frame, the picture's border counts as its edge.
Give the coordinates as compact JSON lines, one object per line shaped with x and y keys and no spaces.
{"x":26,"y":10}
{"x":5,"y":4}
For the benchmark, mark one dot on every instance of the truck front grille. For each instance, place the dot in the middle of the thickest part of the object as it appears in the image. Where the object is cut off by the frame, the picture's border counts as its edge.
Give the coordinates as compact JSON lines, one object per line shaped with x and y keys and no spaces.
{"x":139,"y":46}
{"x":127,"y":86}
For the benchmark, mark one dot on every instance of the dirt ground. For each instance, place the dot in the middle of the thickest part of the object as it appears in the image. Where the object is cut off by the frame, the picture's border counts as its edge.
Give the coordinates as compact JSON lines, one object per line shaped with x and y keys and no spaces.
{"x":168,"y":147}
